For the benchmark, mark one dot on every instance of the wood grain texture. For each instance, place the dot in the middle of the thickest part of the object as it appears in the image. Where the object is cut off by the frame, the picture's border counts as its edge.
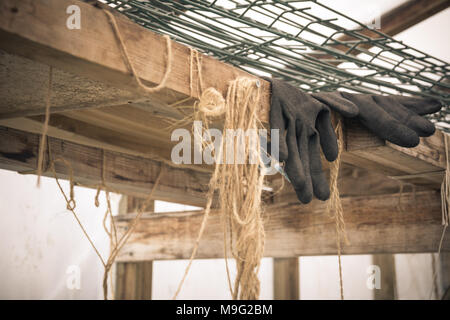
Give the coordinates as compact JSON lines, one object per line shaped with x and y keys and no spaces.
{"x":124,"y":173}
{"x":375,"y":224}
{"x":133,"y":280}
{"x":286,"y":279}
{"x":37,"y":30}
{"x":422,"y":165}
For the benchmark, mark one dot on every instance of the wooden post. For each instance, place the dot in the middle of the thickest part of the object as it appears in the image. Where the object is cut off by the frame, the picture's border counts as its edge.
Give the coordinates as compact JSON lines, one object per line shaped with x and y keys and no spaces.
{"x":133,"y":279}
{"x":286,"y":282}
{"x":445,"y":275}
{"x":386,"y":262}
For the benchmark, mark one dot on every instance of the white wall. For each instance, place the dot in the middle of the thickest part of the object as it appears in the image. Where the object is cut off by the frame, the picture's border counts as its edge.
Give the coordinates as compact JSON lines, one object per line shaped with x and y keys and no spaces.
{"x":40,"y":240}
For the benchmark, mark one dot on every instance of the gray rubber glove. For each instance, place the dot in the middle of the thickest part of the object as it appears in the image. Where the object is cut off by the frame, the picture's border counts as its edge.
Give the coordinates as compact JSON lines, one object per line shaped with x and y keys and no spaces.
{"x":305,"y":125}
{"x":304,"y":120}
{"x":397,"y":119}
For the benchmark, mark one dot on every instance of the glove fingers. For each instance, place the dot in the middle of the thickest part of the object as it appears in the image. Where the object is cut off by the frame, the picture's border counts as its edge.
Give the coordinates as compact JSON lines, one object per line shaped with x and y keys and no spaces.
{"x":278,"y":121}
{"x":304,"y":192}
{"x":337,"y":103}
{"x":319,"y":182}
{"x":382,"y":123}
{"x":420,"y":106}
{"x":328,"y":139}
{"x":294,"y":167}
{"x":391,"y":105}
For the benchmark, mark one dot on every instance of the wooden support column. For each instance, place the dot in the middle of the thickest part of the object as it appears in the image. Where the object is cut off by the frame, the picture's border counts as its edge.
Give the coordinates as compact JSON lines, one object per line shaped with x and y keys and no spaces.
{"x":133,"y":279}
{"x":444,"y":263}
{"x":386,"y":262}
{"x":286,"y":279}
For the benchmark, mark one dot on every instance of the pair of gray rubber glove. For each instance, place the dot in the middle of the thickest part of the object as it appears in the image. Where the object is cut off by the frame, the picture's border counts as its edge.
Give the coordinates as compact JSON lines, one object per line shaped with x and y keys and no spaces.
{"x":304,"y":123}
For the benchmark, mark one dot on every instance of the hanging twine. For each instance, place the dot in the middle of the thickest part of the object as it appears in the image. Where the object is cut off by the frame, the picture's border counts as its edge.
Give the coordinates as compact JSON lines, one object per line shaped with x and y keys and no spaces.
{"x":42,"y":144}
{"x":116,"y":244}
{"x":239,"y":186}
{"x":143,"y":88}
{"x":335,"y":204}
{"x":445,"y":208}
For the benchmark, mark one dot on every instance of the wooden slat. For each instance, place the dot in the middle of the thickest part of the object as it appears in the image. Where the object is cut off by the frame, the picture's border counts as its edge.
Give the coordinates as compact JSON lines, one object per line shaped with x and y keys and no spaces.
{"x":125,"y":173}
{"x":286,"y":279}
{"x":375,"y":224}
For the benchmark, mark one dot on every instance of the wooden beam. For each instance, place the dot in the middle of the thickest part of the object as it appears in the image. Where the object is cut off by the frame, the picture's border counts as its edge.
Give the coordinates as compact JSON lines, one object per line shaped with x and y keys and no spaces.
{"x":375,"y":224}
{"x":286,"y":279}
{"x":409,"y":14}
{"x":352,"y":181}
{"x":395,"y":21}
{"x":36,"y":30}
{"x":124,"y":173}
{"x":24,"y":86}
{"x":92,"y":135}
{"x":423,"y":165}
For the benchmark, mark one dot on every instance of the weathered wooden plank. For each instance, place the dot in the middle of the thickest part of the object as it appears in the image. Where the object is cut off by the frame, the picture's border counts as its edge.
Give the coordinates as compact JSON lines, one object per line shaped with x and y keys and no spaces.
{"x":375,"y":224}
{"x":286,"y":279}
{"x":124,"y":173}
{"x":36,"y":30}
{"x":24,"y":86}
{"x":422,"y":165}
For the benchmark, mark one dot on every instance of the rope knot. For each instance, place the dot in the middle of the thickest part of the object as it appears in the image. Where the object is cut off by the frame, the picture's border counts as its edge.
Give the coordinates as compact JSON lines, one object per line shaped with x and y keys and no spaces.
{"x":212,"y":103}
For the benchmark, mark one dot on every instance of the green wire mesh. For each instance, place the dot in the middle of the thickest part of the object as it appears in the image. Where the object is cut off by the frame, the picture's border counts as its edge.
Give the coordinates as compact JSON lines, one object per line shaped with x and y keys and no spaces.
{"x":305,"y":43}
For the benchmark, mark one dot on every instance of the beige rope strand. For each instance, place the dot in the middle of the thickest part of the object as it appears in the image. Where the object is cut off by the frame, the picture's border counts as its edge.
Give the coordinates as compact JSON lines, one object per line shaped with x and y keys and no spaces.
{"x":445,"y":202}
{"x":239,"y":186}
{"x":45,"y":127}
{"x":71,"y":202}
{"x":127,"y":234}
{"x":145,"y":89}
{"x":335,"y":204}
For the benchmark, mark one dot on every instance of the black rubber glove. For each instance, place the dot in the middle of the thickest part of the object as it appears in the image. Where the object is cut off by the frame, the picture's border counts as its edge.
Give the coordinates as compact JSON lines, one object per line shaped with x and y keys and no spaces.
{"x":397,"y":119}
{"x":305,"y":125}
{"x":304,"y":120}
